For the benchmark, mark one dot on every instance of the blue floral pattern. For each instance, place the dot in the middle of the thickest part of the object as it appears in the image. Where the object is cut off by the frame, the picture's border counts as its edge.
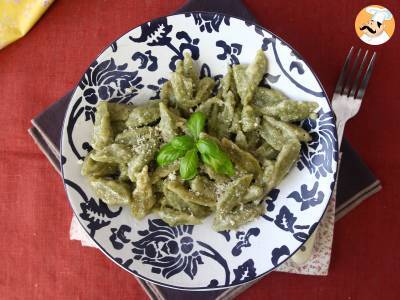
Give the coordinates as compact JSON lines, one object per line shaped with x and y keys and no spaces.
{"x":285,"y":219}
{"x":169,"y":250}
{"x":156,"y":33}
{"x":242,"y":237}
{"x":208,"y":22}
{"x":132,"y":70}
{"x":317,"y":155}
{"x":308,"y":198}
{"x":118,"y":238}
{"x":232,"y":51}
{"x":245,"y":272}
{"x":108,"y":81}
{"x":97,"y":214}
{"x":271,"y":41}
{"x":147,"y":60}
{"x":278,"y":253}
{"x":244,"y":240}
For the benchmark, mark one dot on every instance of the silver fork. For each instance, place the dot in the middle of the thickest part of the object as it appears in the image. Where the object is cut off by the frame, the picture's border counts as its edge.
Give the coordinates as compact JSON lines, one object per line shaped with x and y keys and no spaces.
{"x":346,"y":103}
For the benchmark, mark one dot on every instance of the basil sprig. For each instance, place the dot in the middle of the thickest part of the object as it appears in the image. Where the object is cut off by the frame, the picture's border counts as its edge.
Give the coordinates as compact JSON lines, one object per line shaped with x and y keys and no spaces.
{"x":188,"y":165}
{"x":196,"y":124}
{"x":214,"y":157}
{"x":187,"y":148}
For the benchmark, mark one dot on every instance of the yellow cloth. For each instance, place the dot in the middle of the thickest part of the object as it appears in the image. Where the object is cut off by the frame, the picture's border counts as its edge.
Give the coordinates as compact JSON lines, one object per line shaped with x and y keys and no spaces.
{"x":18,"y":16}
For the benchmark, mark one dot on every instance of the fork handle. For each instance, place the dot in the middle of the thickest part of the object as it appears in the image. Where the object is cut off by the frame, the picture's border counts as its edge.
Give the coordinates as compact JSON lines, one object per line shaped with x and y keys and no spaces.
{"x":340,"y":129}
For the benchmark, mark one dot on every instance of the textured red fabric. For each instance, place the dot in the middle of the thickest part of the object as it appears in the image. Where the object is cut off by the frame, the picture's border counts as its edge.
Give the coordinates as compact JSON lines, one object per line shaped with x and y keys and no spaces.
{"x":37,"y":259}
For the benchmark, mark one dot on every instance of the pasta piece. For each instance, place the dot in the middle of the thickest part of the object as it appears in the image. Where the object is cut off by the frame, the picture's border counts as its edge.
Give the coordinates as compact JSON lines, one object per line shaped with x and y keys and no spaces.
{"x":204,"y":90}
{"x":236,"y":121}
{"x":227,"y":83}
{"x":241,"y":140}
{"x":238,"y":217}
{"x":158,"y":187}
{"x":123,"y":172}
{"x":173,"y":201}
{"x":232,"y":194}
{"x":240,"y":157}
{"x":144,"y":154}
{"x":179,"y":68}
{"x":166,"y":94}
{"x":183,"y":91}
{"x":189,"y":69}
{"x":272,"y":135}
{"x":253,"y":140}
{"x":206,"y":107}
{"x":114,"y":153}
{"x":111,"y":192}
{"x":169,"y":123}
{"x":219,"y":178}
{"x":254,"y":194}
{"x":102,"y":133}
{"x":265,"y":179}
{"x":142,"y":197}
{"x":173,"y":217}
{"x":164,"y":171}
{"x":213,"y":121}
{"x":239,"y":76}
{"x":137,"y":136}
{"x":189,"y":196}
{"x":250,"y":121}
{"x":118,"y":127}
{"x":119,"y":112}
{"x":264,"y":97}
{"x":290,"y":110}
{"x":254,"y":73}
{"x":285,"y":160}
{"x":289,"y":130}
{"x":248,"y":78}
{"x":201,"y":185}
{"x":94,"y":168}
{"x":265,"y":151}
{"x":226,"y":115}
{"x":144,"y":114}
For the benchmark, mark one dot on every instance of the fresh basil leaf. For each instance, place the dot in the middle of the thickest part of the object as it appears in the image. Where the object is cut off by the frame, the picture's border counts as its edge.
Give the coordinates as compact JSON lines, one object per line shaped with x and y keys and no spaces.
{"x":168,"y":154}
{"x":219,"y":162}
{"x":211,"y":161}
{"x":207,"y":146}
{"x":189,"y":164}
{"x":196,"y":123}
{"x":183,"y":142}
{"x":226,"y":165}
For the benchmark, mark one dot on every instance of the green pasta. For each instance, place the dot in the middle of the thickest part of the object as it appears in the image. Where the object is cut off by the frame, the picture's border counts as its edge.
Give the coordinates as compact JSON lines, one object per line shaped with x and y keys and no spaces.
{"x":240,"y":142}
{"x":102,"y":132}
{"x":111,"y":191}
{"x":114,"y":153}
{"x":189,"y":196}
{"x":90,"y":167}
{"x":142,"y":197}
{"x":143,"y":115}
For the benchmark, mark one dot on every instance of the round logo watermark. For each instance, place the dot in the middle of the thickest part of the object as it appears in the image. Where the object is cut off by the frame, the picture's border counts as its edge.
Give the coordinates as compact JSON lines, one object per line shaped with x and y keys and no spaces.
{"x":374,"y":25}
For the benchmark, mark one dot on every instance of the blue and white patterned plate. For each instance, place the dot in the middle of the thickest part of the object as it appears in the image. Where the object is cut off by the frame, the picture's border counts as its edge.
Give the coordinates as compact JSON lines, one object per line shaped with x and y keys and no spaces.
{"x":131,"y":69}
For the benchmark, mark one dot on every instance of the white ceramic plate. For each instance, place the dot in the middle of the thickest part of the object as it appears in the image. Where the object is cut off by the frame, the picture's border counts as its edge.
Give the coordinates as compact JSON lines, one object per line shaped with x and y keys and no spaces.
{"x":196,"y":257}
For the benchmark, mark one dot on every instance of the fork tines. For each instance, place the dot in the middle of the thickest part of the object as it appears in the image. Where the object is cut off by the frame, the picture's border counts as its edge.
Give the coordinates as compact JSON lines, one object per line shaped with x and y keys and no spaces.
{"x":348,"y":83}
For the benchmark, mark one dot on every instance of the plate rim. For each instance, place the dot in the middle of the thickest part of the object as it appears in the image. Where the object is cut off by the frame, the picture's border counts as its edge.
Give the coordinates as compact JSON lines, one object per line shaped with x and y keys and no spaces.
{"x":335,"y":147}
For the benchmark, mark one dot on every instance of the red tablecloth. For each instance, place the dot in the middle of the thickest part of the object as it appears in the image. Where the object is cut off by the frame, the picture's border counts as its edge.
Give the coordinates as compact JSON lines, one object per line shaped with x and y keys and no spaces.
{"x":37,"y":259}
